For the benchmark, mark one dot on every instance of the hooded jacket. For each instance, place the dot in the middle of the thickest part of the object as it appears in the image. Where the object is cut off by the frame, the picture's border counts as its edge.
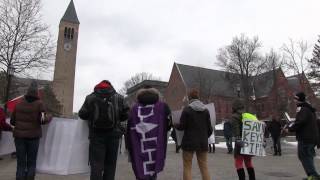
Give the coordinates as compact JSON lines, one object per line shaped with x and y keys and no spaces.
{"x":195,"y":121}
{"x":88,"y":111}
{"x":305,"y":125}
{"x":26,"y":117}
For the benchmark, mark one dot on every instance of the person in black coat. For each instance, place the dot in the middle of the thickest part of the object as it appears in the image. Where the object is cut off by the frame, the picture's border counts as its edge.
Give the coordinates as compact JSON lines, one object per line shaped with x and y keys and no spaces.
{"x":307,"y":134}
{"x":195,"y":122}
{"x":227,"y":132}
{"x":275,"y":131}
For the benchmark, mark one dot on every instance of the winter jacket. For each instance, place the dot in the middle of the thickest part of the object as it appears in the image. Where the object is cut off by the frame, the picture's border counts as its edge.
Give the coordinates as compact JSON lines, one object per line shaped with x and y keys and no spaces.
{"x":227,"y":129}
{"x":236,"y":122}
{"x":26,"y":118}
{"x":90,"y":112}
{"x":305,"y":125}
{"x":274,"y":128}
{"x":195,"y":121}
{"x":4,"y":126}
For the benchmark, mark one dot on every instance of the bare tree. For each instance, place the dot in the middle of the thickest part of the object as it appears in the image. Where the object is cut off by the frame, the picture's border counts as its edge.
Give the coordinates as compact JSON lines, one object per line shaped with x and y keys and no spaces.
{"x":136,"y":79}
{"x":294,"y":54}
{"x":242,"y":57}
{"x":25,"y":41}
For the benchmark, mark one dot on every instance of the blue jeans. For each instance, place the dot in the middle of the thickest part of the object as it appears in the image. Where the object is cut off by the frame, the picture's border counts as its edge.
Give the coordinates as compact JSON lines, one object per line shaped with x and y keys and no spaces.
{"x":27,"y":151}
{"x":306,"y":154}
{"x":103,"y":152}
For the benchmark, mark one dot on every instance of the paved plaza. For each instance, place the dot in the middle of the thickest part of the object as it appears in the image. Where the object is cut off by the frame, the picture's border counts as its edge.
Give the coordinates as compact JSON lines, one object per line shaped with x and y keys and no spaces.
{"x":220,"y":164}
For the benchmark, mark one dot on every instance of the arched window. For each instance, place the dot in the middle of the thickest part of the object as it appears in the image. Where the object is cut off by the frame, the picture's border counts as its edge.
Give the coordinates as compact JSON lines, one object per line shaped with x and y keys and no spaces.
{"x":69,"y":33}
{"x":65,"y":32}
{"x":72,"y":33}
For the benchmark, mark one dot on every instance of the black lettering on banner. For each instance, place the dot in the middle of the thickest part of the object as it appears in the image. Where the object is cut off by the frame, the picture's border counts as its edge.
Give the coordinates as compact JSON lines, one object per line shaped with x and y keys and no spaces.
{"x":251,"y":147}
{"x":256,"y":127}
{"x":247,"y":125}
{"x":253,"y":137}
{"x":246,"y":135}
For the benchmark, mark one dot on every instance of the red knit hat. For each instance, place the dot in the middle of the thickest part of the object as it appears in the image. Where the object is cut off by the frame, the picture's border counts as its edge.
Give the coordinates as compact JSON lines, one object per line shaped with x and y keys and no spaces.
{"x":103,"y":85}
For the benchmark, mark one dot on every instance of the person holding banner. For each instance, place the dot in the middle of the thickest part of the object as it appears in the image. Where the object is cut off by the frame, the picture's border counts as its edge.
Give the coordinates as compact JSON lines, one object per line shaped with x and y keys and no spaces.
{"x":27,"y":118}
{"x":307,"y":135}
{"x":148,"y":124}
{"x":195,"y":121}
{"x":236,"y":121}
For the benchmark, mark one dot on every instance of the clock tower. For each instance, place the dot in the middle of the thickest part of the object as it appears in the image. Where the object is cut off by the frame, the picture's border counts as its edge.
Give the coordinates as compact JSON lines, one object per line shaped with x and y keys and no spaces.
{"x":64,"y":72}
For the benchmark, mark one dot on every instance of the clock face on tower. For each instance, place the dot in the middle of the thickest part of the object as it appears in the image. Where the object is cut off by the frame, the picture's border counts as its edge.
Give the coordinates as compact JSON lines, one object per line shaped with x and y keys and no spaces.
{"x":67,"y":46}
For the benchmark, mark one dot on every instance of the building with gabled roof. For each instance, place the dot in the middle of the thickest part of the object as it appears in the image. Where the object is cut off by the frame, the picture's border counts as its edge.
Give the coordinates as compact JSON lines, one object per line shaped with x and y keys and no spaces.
{"x":271,"y":92}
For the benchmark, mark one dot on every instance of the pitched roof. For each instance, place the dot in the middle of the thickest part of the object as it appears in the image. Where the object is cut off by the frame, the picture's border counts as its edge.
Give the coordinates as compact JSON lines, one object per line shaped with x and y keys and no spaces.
{"x":223,"y":83}
{"x":294,"y":83}
{"x":71,"y":15}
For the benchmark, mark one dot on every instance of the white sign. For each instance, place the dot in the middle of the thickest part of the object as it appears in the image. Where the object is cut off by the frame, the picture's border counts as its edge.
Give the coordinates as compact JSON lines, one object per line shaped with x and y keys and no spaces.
{"x":253,"y":138}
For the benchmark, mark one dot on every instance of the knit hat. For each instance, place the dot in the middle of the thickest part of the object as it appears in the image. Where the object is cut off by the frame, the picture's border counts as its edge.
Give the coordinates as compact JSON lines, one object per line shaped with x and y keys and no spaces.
{"x":300,"y":96}
{"x":103,"y":85}
{"x":237,"y":105}
{"x":33,"y":89}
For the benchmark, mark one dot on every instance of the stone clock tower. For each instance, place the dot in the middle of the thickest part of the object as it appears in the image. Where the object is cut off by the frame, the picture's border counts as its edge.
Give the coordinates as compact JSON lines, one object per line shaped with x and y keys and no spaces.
{"x":64,"y":72}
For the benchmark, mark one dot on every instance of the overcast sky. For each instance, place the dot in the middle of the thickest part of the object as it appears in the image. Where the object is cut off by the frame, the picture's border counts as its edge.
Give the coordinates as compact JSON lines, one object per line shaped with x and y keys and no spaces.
{"x":119,"y":38}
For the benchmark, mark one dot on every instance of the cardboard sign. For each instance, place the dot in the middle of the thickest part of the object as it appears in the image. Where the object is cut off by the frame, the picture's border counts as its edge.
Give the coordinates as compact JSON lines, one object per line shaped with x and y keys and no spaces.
{"x":253,"y":138}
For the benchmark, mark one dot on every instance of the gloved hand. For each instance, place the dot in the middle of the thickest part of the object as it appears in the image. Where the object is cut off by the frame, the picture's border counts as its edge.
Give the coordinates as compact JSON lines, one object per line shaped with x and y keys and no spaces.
{"x":239,"y":142}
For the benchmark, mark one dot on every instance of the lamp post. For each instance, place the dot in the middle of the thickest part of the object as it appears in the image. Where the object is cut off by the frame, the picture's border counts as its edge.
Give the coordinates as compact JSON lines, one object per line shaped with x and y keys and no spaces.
{"x":10,"y":74}
{"x":238,"y":90}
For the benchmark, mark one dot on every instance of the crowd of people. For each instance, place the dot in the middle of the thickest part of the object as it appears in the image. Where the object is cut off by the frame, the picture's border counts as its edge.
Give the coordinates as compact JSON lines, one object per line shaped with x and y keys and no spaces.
{"x":148,"y":123}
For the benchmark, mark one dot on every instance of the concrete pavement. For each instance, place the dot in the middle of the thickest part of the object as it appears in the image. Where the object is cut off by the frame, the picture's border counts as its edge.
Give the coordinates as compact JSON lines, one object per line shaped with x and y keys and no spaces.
{"x":220,"y":164}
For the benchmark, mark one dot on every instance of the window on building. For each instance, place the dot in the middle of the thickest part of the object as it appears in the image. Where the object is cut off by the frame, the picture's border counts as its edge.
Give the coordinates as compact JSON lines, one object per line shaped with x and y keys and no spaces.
{"x":65,"y":32}
{"x":72,"y":33}
{"x":69,"y":33}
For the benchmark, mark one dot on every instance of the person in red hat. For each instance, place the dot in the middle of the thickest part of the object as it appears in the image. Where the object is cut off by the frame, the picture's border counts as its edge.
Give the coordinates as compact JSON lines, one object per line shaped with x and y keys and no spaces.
{"x":104,"y":109}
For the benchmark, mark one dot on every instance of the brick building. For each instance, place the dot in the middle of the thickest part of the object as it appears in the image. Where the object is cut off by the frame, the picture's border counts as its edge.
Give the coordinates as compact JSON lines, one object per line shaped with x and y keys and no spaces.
{"x":271,"y":93}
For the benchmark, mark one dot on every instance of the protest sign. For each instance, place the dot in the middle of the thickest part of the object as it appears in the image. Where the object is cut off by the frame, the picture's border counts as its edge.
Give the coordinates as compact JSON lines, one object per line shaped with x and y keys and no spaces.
{"x":253,"y":138}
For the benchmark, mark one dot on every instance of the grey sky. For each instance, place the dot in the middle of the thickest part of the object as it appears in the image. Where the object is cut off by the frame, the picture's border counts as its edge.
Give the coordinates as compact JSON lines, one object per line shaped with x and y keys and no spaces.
{"x":119,"y":38}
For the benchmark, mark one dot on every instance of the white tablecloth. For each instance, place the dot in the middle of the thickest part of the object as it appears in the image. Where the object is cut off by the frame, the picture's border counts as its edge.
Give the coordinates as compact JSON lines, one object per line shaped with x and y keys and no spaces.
{"x":63,"y":147}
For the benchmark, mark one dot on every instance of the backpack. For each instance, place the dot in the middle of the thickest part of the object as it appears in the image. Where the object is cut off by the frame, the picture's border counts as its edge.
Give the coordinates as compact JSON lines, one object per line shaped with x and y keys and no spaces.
{"x":104,"y":117}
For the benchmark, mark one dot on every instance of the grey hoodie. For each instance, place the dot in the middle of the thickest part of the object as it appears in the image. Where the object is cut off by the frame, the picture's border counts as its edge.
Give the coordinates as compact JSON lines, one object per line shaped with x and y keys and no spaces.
{"x":197,"y":105}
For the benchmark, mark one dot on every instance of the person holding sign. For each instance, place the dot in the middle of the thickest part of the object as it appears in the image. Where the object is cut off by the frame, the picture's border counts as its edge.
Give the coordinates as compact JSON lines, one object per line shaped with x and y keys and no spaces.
{"x":195,"y":121}
{"x":237,"y":123}
{"x":307,"y":135}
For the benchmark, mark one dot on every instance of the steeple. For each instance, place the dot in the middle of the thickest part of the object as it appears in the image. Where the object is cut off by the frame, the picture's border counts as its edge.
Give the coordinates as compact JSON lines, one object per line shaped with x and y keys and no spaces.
{"x":71,"y":15}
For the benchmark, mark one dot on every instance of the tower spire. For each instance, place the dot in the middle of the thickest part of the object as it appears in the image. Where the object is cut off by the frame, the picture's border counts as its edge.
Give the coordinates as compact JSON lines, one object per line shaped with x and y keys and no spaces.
{"x":71,"y":15}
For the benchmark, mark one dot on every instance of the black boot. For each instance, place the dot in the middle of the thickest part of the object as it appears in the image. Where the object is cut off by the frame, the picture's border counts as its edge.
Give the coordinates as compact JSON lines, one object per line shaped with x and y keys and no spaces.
{"x":241,"y":174}
{"x":251,"y":173}
{"x":30,"y":178}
